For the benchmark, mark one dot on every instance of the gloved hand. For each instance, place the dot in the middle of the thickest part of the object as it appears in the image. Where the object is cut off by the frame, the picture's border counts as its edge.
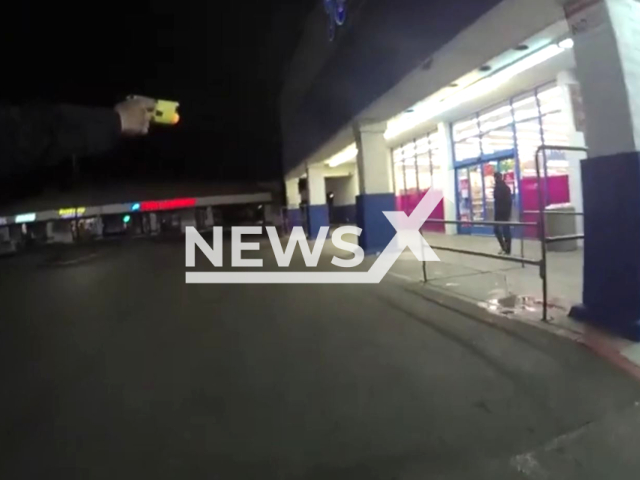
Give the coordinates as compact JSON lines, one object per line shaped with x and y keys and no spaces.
{"x":135,"y":115}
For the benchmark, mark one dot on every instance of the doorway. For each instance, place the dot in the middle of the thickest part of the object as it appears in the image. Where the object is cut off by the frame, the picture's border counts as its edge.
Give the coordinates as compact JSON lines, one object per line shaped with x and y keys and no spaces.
{"x":474,"y":190}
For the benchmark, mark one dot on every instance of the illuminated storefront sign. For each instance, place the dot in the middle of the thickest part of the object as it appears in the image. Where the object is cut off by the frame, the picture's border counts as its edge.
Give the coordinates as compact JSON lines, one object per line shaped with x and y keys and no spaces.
{"x":26,"y":218}
{"x":135,"y":207}
{"x":71,"y":212}
{"x":3,"y":221}
{"x":168,"y":204}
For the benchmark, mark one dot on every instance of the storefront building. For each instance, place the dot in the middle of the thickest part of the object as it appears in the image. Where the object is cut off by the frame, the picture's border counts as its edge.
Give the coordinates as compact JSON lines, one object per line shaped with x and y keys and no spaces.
{"x":501,"y":138}
{"x":517,"y":76}
{"x":149,"y":217}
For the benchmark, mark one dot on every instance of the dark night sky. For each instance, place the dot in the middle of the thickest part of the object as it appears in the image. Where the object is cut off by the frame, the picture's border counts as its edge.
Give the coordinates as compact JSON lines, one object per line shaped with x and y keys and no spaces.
{"x":224,"y":66}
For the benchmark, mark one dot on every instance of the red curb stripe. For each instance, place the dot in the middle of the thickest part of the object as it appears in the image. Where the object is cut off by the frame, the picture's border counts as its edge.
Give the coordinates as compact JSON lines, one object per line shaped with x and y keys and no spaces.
{"x":600,"y":344}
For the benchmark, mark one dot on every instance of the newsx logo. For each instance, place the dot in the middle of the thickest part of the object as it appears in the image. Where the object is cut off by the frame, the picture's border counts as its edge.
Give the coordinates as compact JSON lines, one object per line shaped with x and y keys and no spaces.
{"x":408,"y":235}
{"x":283,"y":255}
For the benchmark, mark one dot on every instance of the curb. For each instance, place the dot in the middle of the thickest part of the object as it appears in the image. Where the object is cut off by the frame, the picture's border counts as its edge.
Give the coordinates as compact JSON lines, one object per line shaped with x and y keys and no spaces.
{"x":604,"y":346}
{"x":600,"y":343}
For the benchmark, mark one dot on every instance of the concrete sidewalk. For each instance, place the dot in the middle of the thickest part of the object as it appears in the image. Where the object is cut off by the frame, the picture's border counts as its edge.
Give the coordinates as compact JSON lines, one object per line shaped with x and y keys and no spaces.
{"x":484,"y":279}
{"x":508,"y":289}
{"x":491,"y":280}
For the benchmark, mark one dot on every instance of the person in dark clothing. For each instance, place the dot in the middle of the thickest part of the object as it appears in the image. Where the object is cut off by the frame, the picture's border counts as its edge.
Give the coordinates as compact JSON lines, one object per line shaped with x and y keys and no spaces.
{"x":39,"y":135}
{"x":502,"y":198}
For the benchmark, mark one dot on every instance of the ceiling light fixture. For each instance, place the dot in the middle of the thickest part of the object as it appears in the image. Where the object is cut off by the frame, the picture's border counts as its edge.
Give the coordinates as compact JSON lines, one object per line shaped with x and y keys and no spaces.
{"x":430,"y":109}
{"x":343,"y":156}
{"x":566,"y":44}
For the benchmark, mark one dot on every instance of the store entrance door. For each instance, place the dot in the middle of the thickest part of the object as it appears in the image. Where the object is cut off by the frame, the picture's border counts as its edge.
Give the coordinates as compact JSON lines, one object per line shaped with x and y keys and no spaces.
{"x":475,"y":184}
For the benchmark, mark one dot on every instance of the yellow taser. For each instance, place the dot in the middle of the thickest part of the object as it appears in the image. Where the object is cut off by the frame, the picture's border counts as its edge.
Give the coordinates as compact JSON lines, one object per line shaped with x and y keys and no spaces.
{"x":166,"y":112}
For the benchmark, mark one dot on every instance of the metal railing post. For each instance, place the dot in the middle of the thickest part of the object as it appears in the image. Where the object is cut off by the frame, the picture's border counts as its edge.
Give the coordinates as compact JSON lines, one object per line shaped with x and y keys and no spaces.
{"x":424,"y":267}
{"x":542,"y":264}
{"x":542,"y":227}
{"x":522,"y":244}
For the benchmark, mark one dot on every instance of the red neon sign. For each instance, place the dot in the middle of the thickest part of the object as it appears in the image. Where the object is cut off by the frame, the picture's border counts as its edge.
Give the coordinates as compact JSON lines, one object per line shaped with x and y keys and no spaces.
{"x":174,"y":204}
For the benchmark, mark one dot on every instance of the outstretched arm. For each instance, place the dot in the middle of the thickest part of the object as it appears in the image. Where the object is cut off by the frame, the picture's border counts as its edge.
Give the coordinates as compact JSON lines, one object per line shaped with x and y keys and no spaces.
{"x":37,"y":135}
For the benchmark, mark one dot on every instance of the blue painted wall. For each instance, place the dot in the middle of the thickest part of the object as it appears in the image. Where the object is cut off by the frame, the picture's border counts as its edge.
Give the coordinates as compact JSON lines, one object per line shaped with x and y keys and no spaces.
{"x":377,"y":231}
{"x":611,"y":292}
{"x":318,"y":217}
{"x":294,"y":218}
{"x":343,"y":214}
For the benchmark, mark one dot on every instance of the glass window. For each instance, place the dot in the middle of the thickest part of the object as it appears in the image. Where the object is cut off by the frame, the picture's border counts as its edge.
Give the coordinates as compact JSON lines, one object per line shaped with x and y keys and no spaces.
{"x":529,"y":139}
{"x":464,"y":197}
{"x":498,"y":140}
{"x":477,"y":202}
{"x":540,"y":118}
{"x":398,"y":172}
{"x":410,"y":174}
{"x":497,"y":117}
{"x":465,"y":129}
{"x":416,"y":159}
{"x":525,"y":107}
{"x":424,"y":172}
{"x":408,"y":152}
{"x":422,"y":145}
{"x":550,"y":100}
{"x":466,"y":135}
{"x":423,"y":163}
{"x":438,"y":161}
{"x":410,"y":178}
{"x":467,"y":149}
{"x":555,"y":128}
{"x":399,"y":177}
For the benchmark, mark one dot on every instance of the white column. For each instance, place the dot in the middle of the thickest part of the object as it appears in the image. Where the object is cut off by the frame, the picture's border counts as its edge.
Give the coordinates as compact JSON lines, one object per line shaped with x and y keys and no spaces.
{"x":449,"y":174}
{"x":351,"y":190}
{"x":607,"y":51}
{"x":374,"y":163}
{"x":4,"y":234}
{"x":208,"y":217}
{"x":293,"y":193}
{"x":315,"y":184}
{"x":49,"y":231}
{"x":376,"y":186}
{"x":355,"y":183}
{"x":606,"y":36}
{"x":99,"y":230}
{"x":188,"y":219}
{"x":153,"y":222}
{"x":572,"y":112}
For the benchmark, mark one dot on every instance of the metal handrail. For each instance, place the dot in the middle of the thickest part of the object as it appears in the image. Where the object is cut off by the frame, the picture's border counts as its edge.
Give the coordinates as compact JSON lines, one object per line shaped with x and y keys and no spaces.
{"x":542,"y":228}
{"x":522,"y":260}
{"x":544,"y":240}
{"x":565,"y":238}
{"x":552,"y":212}
{"x":513,"y":259}
{"x":482,"y":223}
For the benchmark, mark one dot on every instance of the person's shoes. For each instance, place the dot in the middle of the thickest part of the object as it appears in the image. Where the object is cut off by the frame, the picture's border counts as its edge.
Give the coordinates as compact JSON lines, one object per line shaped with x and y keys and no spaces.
{"x":502,"y":252}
